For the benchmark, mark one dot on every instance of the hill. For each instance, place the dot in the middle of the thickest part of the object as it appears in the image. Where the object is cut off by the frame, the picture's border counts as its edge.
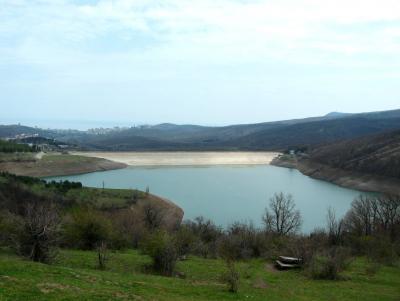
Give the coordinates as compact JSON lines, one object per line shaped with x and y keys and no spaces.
{"x":377,"y":154}
{"x":279,"y":135}
{"x":369,"y":163}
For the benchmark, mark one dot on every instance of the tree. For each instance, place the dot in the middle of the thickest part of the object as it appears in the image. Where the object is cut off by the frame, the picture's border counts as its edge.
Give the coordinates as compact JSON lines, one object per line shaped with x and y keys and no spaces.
{"x":162,"y":249}
{"x":37,"y":234}
{"x":227,"y":250}
{"x":389,"y":214}
{"x":282,"y":217}
{"x":85,"y":228}
{"x":362,"y":217}
{"x":153,"y":216}
{"x":371,"y":215}
{"x":335,"y":227}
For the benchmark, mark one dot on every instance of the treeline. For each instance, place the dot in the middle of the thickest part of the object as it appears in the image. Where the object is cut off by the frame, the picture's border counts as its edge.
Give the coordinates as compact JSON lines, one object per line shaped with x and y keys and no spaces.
{"x":11,"y":147}
{"x":37,"y":226}
{"x":378,"y":154}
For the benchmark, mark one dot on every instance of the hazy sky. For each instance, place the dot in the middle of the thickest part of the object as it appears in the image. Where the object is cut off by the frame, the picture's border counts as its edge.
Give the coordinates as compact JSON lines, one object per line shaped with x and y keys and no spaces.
{"x":203,"y":62}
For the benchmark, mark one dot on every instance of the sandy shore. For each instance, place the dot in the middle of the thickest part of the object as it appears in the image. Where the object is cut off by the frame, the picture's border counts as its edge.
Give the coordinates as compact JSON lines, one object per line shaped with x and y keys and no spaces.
{"x":184,"y":158}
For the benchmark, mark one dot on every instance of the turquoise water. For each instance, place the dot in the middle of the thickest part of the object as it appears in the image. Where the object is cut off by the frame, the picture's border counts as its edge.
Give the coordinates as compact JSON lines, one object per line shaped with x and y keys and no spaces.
{"x":229,"y":193}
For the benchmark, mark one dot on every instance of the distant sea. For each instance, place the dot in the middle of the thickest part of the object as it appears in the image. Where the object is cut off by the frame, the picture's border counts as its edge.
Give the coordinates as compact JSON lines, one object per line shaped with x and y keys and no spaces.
{"x":70,"y":124}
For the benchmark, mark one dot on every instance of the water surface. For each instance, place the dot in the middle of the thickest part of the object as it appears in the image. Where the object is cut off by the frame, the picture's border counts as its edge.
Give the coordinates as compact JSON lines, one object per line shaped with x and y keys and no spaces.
{"x":229,"y":193}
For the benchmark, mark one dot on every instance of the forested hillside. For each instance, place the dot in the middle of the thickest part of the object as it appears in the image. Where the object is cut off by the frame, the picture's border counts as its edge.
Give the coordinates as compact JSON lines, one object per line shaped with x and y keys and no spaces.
{"x":278,"y":135}
{"x":377,"y":154}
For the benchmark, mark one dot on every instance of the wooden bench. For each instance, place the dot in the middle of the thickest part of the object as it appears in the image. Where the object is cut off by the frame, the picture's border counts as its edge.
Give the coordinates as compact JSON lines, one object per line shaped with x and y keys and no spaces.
{"x":288,"y":263}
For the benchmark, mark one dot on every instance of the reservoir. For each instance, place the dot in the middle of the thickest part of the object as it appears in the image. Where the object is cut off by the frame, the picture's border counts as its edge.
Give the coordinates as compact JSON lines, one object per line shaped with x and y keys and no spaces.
{"x":228,"y":193}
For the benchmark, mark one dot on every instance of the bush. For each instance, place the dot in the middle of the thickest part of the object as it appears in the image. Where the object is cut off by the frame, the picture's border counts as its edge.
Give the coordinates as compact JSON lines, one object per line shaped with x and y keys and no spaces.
{"x":85,"y":228}
{"x":244,"y":241}
{"x":381,"y":250}
{"x":231,"y":277}
{"x":161,"y":247}
{"x":153,"y":216}
{"x":184,"y":240}
{"x":328,"y":265}
{"x":35,"y":234}
{"x":372,"y":268}
{"x":102,"y":255}
{"x":128,"y":228}
{"x":206,"y":235}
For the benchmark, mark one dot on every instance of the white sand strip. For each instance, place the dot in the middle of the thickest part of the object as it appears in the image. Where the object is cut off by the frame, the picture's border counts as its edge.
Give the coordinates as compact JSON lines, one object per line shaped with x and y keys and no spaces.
{"x":184,"y":158}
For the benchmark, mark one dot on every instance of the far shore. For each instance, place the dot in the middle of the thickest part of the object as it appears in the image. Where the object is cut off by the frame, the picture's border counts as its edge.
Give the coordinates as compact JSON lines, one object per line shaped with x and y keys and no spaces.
{"x":350,"y":179}
{"x":184,"y":158}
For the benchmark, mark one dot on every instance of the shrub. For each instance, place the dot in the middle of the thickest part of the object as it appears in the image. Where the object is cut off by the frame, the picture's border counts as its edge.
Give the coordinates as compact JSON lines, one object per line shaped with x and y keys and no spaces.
{"x":206,"y":235}
{"x":372,"y":268}
{"x":102,"y":255}
{"x":329,"y":264}
{"x":85,"y":228}
{"x":128,"y":228}
{"x":36,"y":232}
{"x":153,"y":216}
{"x":161,"y":247}
{"x":184,"y":240}
{"x":231,"y":277}
{"x":381,"y":250}
{"x":245,"y":240}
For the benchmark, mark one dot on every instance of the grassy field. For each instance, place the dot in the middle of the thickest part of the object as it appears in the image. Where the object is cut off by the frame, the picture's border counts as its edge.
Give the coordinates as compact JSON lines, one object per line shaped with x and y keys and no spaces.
{"x":74,"y":277}
{"x":101,"y":198}
{"x":17,"y":157}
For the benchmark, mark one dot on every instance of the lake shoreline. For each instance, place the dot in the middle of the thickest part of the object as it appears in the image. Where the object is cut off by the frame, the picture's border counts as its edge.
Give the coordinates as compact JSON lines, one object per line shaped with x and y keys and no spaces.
{"x":340,"y":177}
{"x":54,"y":164}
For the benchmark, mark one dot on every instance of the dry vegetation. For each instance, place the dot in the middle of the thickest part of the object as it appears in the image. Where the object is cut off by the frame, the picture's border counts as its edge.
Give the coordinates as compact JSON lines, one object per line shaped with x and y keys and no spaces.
{"x":53,"y":164}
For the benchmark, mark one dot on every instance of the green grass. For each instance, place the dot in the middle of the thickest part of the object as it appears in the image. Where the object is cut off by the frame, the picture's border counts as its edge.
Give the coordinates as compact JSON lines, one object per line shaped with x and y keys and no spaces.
{"x":67,"y":158}
{"x":104,"y":197}
{"x":101,"y":198}
{"x":74,"y":277}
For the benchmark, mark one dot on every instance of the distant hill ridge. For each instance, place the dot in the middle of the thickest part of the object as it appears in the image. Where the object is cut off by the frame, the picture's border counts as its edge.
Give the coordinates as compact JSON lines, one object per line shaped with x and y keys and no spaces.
{"x":278,"y":135}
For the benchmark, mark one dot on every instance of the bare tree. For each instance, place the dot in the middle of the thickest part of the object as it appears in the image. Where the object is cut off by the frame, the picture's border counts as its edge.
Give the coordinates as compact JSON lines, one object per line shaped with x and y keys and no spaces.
{"x":335,"y":227}
{"x":282,"y":217}
{"x":38,"y":231}
{"x":362,"y":217}
{"x":102,"y":255}
{"x":153,"y":216}
{"x":388,"y":212}
{"x":373,"y":215}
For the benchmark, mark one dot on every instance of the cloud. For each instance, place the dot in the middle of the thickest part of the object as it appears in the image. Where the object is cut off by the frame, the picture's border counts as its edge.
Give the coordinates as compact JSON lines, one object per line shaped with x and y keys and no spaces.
{"x":87,"y":37}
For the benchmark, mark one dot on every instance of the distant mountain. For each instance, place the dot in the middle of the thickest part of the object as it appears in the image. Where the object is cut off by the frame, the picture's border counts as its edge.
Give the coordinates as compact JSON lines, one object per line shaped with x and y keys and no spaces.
{"x":317,"y":132}
{"x":337,"y":115}
{"x":277,"y":135}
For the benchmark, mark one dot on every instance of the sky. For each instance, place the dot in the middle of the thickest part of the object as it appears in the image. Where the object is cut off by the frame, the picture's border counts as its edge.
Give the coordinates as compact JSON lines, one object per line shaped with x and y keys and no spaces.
{"x":89,"y":63}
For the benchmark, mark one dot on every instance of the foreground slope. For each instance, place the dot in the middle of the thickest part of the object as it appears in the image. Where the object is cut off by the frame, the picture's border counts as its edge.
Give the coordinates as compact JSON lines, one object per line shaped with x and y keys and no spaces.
{"x":74,"y":277}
